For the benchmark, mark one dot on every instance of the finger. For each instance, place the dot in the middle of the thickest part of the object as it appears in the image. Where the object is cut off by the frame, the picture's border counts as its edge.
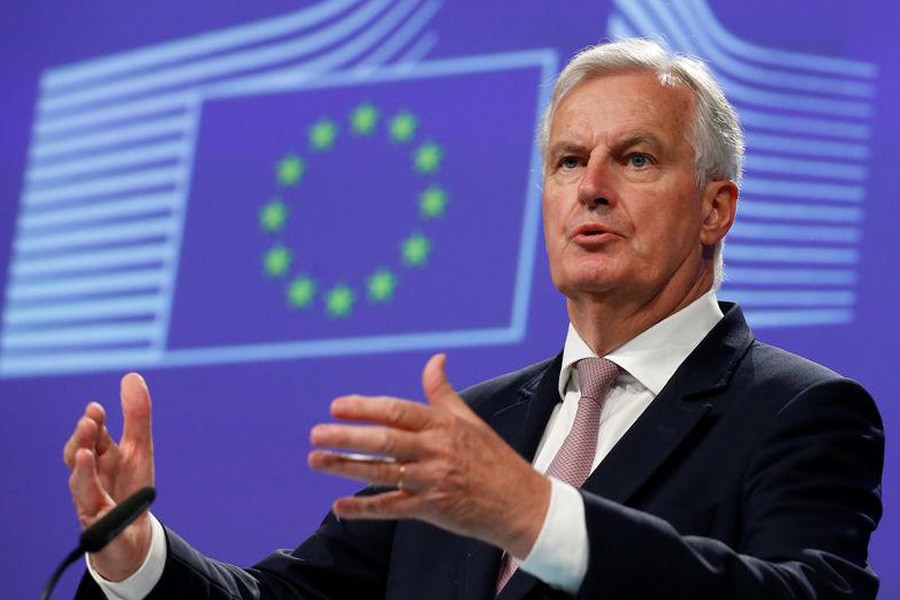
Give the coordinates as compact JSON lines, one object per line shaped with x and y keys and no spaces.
{"x":402,"y":414}
{"x":84,"y":436}
{"x":364,"y":438}
{"x":87,"y":491}
{"x":375,"y":472}
{"x":136,"y":410}
{"x":438,"y":390}
{"x":96,"y":412}
{"x":395,"y":504}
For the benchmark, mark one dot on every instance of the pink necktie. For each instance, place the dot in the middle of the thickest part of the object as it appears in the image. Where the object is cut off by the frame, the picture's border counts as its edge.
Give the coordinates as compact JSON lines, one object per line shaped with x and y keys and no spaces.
{"x":572,"y":463}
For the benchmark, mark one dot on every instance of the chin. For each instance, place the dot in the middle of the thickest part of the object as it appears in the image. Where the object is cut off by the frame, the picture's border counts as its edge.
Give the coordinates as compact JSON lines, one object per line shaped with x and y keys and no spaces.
{"x":588,"y":281}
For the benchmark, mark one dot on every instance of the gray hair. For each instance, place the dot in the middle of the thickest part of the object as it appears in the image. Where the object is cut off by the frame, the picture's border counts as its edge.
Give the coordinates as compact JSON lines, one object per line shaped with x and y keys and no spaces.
{"x":715,"y":135}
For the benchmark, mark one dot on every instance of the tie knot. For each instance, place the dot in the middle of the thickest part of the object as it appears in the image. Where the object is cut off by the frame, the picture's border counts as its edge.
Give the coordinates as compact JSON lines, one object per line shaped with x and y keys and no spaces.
{"x":596,"y":376}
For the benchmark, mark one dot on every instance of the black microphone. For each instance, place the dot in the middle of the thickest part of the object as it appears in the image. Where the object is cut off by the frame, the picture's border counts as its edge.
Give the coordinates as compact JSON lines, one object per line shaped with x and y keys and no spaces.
{"x":98,"y":535}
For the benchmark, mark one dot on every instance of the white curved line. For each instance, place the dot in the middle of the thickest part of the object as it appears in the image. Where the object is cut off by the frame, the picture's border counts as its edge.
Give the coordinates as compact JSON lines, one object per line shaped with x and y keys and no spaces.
{"x":60,"y":127}
{"x":88,"y":261}
{"x":209,"y":68}
{"x":336,"y":58}
{"x":92,"y":309}
{"x":782,"y":276}
{"x":819,"y":169}
{"x":774,"y":298}
{"x":193,"y":46}
{"x":61,"y":362}
{"x":135,"y":107}
{"x":789,"y":211}
{"x":127,"y":206}
{"x":775,"y":77}
{"x":86,"y":335}
{"x":403,"y":35}
{"x":798,"y":318}
{"x":803,"y":189}
{"x":793,"y":232}
{"x":806,"y":146}
{"x":419,"y":50}
{"x":98,"y":234}
{"x":780,"y":58}
{"x":790,"y":254}
{"x":155,"y":129}
{"x":116,"y":159}
{"x":75,"y":286}
{"x":738,"y":91}
{"x":827,"y":128}
{"x":134,"y":180}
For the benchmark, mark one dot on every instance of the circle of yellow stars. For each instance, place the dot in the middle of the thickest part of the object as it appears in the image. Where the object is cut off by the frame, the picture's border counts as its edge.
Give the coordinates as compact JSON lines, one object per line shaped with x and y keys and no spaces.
{"x":301,"y":289}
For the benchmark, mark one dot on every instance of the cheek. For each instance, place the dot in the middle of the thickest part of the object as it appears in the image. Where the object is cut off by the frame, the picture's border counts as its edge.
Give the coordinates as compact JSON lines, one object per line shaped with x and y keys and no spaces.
{"x":663,"y":240}
{"x":553,"y":222}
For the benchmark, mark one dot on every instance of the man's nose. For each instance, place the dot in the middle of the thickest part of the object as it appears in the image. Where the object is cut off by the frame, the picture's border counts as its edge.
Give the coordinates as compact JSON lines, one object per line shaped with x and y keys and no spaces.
{"x":594,"y":190}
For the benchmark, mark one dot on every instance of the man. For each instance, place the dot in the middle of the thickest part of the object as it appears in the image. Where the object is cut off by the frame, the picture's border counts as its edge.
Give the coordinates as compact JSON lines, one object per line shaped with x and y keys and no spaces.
{"x":721,"y":467}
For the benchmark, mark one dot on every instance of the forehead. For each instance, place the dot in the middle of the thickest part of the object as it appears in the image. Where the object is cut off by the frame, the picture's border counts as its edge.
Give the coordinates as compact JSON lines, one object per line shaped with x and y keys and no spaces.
{"x":615,"y":104}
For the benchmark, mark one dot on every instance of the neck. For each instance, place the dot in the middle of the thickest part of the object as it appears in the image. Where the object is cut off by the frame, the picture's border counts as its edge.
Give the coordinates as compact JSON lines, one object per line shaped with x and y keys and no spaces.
{"x":608,"y":321}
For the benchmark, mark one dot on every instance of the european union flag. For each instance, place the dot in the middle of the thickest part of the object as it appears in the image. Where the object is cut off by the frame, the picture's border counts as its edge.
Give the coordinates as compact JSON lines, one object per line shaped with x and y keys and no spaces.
{"x":368,"y":207}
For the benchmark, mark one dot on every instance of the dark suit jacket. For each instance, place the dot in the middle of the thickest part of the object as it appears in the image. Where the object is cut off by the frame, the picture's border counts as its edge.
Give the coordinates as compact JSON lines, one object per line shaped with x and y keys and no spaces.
{"x":753,"y":474}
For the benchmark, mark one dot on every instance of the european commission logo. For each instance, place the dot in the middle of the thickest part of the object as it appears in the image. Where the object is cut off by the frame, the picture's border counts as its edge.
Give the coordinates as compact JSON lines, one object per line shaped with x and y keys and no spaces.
{"x":216,"y":199}
{"x":312,"y":185}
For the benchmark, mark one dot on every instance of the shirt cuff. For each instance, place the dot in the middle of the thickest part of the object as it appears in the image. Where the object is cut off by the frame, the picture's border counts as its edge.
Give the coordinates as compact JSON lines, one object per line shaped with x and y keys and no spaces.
{"x":145,"y":578}
{"x":559,"y":557}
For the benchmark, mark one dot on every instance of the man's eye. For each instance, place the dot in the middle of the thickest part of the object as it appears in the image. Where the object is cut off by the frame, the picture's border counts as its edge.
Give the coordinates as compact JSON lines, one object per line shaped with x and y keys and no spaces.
{"x":639,"y":161}
{"x":569,"y":162}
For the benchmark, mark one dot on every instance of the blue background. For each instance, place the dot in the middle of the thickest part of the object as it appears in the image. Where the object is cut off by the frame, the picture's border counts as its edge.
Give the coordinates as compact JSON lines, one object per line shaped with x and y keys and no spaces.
{"x":231,"y":442}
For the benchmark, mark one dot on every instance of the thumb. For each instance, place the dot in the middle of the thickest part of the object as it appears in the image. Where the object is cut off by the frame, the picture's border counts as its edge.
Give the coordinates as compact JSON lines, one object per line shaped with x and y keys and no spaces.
{"x":438,"y":390}
{"x":136,"y":410}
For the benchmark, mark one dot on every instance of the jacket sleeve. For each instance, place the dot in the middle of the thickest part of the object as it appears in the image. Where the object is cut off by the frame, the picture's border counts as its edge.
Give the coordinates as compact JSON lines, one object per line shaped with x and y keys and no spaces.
{"x":810,"y":499}
{"x":342,"y":559}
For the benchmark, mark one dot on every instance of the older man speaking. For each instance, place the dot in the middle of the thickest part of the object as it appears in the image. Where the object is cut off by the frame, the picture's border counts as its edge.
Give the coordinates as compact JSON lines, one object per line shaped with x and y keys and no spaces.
{"x":665,"y":453}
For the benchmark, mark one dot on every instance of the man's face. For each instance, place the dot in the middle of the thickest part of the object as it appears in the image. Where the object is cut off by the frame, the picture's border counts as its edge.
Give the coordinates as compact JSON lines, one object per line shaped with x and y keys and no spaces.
{"x":622,"y":212}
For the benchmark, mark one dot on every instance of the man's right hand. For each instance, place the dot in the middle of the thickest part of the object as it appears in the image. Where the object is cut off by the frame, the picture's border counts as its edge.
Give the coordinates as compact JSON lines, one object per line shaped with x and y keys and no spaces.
{"x":105,"y":473}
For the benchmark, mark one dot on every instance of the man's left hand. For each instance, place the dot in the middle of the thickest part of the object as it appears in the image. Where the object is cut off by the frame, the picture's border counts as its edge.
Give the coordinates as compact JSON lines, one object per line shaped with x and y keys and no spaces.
{"x":448,"y":466}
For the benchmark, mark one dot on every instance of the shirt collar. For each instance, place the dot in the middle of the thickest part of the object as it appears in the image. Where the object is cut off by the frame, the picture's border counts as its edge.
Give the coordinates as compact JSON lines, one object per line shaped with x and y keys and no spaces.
{"x":653,"y":356}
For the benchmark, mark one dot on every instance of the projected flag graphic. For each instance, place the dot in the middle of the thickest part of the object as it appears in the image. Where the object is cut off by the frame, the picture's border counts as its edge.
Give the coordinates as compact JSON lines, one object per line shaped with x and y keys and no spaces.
{"x":344,"y":224}
{"x":289,"y":196}
{"x":306,"y":233}
{"x":299,"y":187}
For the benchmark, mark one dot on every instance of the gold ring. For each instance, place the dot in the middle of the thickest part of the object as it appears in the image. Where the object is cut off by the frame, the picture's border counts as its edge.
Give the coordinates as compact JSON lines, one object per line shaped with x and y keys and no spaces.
{"x":401,"y":476}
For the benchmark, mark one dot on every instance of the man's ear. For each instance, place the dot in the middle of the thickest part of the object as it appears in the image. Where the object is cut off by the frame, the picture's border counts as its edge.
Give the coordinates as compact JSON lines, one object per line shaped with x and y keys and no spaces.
{"x":719,"y":210}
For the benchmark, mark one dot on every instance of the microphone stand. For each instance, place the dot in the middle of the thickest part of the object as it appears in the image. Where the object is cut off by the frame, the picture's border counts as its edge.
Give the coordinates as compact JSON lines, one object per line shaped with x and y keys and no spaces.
{"x":98,"y":535}
{"x":72,"y":557}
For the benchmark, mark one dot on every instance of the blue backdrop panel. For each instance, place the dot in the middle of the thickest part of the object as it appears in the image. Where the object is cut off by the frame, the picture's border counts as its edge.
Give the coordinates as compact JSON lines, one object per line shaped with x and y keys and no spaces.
{"x":261,"y":207}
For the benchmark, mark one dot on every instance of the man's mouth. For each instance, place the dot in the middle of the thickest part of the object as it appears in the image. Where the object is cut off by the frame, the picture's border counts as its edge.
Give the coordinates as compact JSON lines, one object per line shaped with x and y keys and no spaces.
{"x":592,"y":233}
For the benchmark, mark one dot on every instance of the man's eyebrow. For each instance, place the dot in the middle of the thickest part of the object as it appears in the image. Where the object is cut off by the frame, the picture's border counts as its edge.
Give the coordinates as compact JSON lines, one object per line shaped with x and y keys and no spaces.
{"x":639,"y":138}
{"x":566,"y":147}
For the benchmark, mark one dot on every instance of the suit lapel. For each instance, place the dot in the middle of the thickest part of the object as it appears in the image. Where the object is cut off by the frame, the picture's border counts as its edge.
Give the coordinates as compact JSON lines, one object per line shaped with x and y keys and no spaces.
{"x":665,"y":423}
{"x":674,"y":413}
{"x":520,"y":418}
{"x":669,"y":419}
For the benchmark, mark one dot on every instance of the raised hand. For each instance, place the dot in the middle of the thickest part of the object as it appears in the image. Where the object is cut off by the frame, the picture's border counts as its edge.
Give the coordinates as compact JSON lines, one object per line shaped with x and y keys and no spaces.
{"x":105,"y":473}
{"x":448,"y":466}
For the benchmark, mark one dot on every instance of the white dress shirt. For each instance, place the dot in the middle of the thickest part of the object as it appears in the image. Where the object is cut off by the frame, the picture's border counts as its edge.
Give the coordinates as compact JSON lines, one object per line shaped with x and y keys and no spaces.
{"x":560,"y":554}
